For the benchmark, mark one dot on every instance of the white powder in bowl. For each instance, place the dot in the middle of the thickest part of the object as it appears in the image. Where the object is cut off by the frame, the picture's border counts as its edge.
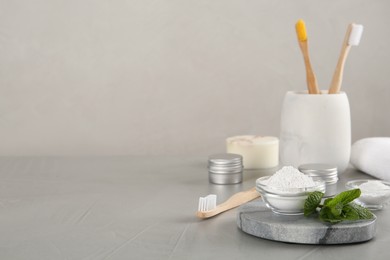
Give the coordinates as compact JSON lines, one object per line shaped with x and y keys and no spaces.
{"x":289,"y":177}
{"x":373,"y":186}
{"x":374,"y":193}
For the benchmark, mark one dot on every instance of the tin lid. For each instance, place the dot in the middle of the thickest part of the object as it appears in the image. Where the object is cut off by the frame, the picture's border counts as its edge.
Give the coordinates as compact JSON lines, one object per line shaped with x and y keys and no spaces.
{"x":226,"y":170}
{"x":321,"y":174}
{"x":318,"y":168}
{"x":326,"y":172}
{"x":328,"y":180}
{"x":225,"y":159}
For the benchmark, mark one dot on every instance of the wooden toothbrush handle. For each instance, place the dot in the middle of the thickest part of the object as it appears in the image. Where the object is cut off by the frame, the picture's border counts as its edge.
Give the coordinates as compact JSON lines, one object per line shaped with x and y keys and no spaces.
{"x":234,"y":201}
{"x":337,"y":79}
{"x":239,"y":199}
{"x":311,"y":79}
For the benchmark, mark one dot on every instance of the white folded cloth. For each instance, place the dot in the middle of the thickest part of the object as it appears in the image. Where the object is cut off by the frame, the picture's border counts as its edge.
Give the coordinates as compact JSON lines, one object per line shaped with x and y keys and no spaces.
{"x":372,"y":156}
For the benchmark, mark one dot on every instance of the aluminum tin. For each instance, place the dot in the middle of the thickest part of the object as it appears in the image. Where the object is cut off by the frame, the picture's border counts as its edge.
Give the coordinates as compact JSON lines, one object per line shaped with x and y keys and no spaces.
{"x":225,"y":168}
{"x":225,"y":178}
{"x":325,"y":172}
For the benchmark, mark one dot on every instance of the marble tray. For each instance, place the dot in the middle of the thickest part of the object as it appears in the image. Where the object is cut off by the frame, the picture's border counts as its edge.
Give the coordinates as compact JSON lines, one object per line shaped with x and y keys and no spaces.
{"x":256,"y":219}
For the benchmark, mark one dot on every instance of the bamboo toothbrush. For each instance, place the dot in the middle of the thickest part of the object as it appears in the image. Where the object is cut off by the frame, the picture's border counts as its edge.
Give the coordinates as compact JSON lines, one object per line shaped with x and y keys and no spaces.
{"x":352,"y":38}
{"x":302,"y":40}
{"x":207,"y":205}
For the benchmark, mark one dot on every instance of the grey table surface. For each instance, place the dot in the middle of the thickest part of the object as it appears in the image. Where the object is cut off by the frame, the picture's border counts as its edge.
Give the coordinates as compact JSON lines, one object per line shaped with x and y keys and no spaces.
{"x":139,"y":208}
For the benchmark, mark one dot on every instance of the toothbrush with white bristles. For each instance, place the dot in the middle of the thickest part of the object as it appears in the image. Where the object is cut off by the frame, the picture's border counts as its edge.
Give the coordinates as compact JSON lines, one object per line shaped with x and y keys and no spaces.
{"x":207,"y":206}
{"x":352,"y":38}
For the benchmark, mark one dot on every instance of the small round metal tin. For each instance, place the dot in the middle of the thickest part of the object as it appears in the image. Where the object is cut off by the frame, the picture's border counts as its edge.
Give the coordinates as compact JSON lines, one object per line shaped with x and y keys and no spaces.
{"x":322,"y":172}
{"x":225,"y":168}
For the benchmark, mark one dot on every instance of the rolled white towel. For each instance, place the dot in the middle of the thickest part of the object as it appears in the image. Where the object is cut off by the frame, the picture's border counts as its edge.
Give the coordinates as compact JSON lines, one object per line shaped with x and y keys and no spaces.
{"x":372,"y":156}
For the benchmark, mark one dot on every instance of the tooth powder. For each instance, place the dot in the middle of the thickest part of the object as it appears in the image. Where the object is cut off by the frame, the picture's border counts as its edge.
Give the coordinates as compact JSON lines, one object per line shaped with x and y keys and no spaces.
{"x":289,"y":177}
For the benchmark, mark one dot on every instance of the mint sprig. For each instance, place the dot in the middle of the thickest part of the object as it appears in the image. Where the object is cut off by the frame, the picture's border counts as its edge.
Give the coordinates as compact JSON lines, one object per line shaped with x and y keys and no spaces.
{"x":336,"y":209}
{"x":312,"y":202}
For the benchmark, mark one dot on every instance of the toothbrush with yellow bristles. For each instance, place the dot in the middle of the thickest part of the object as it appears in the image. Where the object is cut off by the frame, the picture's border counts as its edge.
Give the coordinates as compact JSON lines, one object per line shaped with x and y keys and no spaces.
{"x":352,"y":38}
{"x":303,"y":44}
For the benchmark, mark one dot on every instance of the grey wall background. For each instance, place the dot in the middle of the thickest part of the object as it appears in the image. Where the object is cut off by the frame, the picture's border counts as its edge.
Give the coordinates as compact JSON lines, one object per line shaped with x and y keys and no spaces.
{"x":81,"y":77}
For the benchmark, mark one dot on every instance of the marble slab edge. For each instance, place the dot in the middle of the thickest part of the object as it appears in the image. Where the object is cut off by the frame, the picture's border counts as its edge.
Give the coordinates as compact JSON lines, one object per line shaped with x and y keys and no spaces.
{"x":256,"y":219}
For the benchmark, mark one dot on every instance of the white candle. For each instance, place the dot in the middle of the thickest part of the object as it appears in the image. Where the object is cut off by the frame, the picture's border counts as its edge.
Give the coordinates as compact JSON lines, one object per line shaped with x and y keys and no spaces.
{"x":258,"y":152}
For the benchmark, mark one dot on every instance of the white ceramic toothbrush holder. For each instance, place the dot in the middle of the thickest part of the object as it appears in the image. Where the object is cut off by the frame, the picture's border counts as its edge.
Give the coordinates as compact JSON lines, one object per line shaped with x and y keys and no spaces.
{"x":315,"y":129}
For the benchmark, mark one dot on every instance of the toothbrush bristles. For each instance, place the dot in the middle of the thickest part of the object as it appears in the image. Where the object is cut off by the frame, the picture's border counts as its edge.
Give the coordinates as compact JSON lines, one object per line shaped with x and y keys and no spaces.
{"x":355,"y":35}
{"x":207,"y":203}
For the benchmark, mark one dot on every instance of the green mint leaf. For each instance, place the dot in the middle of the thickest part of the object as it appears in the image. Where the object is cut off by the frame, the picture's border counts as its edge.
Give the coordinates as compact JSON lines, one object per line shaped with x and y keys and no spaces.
{"x":336,"y":209}
{"x":363,"y":212}
{"x":312,"y":202}
{"x":350,"y":212}
{"x":327,"y":215}
{"x":327,"y":201}
{"x":344,"y":197}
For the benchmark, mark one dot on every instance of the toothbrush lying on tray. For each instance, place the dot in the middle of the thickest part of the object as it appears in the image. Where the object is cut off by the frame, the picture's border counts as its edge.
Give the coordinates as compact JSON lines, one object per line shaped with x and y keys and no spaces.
{"x":352,"y":38}
{"x":208,"y":205}
{"x":303,"y":44}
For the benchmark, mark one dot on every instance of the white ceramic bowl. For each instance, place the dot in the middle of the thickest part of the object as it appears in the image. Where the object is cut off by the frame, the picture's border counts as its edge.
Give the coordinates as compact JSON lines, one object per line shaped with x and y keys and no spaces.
{"x":371,"y":199}
{"x":287,"y":201}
